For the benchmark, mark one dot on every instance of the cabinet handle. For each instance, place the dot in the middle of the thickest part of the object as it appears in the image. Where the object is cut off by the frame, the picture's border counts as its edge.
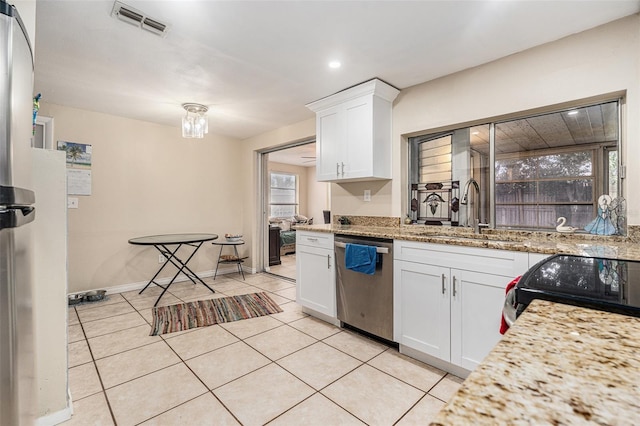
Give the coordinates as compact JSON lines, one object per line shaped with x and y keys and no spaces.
{"x":454,"y":286}
{"x":342,"y":169}
{"x":443,"y":279}
{"x":337,"y":169}
{"x":312,"y":239}
{"x":328,"y":261}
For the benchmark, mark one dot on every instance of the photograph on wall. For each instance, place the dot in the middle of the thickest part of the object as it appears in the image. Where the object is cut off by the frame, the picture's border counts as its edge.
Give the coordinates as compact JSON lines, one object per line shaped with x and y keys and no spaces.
{"x":78,"y":167}
{"x":78,"y":154}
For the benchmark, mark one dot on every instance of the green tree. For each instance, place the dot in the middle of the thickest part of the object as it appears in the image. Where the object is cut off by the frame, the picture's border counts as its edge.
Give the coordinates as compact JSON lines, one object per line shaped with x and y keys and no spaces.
{"x":73,"y":152}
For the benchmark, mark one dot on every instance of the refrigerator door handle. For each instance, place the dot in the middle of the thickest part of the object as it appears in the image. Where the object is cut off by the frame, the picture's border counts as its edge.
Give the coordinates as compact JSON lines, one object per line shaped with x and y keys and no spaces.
{"x":16,"y":217}
{"x":14,"y":196}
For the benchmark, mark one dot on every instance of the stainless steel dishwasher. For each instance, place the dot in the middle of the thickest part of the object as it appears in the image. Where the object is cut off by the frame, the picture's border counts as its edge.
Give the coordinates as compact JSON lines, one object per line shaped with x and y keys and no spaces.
{"x":366,"y":301}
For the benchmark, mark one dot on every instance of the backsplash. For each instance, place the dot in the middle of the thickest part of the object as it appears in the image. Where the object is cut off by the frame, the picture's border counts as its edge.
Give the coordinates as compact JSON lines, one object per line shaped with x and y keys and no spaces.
{"x":368,"y":220}
{"x":633,"y":231}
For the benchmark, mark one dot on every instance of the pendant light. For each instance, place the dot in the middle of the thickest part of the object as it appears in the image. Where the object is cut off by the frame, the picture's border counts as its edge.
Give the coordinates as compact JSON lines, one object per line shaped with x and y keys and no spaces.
{"x":195,"y":123}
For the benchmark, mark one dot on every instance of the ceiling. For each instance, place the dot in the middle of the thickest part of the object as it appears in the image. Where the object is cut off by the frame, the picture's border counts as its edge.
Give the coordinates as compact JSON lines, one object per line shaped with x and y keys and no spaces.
{"x":577,"y":126}
{"x":256,"y":64}
{"x":301,"y":155}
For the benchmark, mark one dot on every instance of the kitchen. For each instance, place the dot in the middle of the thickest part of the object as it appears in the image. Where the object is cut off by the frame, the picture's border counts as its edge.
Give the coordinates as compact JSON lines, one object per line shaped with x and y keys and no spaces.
{"x":553,"y":74}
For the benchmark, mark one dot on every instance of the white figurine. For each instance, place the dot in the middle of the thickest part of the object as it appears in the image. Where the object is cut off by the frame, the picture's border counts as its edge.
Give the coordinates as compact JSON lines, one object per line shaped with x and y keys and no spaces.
{"x":562,"y":228}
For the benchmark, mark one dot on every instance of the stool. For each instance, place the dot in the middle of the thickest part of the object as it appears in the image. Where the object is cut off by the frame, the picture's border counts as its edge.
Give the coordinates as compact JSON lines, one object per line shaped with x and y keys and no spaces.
{"x":229,"y":258}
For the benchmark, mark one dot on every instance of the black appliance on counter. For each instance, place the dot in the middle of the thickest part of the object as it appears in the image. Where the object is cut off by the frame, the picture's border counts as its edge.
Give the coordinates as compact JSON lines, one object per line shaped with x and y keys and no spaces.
{"x":593,"y":282}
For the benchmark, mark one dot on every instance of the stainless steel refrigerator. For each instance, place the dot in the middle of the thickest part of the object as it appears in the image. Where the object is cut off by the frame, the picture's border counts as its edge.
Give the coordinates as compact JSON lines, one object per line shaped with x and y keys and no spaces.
{"x":17,"y":367}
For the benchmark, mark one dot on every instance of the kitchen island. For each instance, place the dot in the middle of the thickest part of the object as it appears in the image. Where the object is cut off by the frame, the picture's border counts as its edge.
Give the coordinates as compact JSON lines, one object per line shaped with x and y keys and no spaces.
{"x":558,"y":364}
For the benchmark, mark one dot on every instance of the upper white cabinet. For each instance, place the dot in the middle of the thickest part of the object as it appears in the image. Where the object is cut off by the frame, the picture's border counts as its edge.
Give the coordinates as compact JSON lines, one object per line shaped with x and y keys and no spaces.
{"x":353,"y":133}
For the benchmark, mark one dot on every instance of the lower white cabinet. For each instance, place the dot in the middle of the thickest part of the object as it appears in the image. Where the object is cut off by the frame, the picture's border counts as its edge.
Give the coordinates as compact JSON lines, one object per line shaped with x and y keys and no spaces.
{"x":316,"y":273}
{"x":448,"y":306}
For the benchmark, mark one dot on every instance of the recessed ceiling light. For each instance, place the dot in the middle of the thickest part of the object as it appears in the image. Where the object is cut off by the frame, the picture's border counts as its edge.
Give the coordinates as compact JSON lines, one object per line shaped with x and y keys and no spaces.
{"x":475,"y":133}
{"x":574,"y":112}
{"x":335,"y":64}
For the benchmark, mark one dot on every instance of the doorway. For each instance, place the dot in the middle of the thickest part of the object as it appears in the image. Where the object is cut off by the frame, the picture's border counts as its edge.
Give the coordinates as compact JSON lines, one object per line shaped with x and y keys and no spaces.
{"x":291,"y":197}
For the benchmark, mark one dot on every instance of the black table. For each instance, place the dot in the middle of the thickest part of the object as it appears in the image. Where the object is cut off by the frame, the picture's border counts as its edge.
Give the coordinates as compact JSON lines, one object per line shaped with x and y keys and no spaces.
{"x":168,"y":245}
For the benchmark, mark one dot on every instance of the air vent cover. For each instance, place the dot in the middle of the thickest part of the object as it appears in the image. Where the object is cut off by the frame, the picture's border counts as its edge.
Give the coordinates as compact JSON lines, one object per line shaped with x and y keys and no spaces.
{"x":135,"y":17}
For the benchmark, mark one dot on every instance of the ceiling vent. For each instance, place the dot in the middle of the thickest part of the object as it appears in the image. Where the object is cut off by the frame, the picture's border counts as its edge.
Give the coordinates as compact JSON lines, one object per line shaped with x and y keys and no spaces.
{"x":135,"y":17}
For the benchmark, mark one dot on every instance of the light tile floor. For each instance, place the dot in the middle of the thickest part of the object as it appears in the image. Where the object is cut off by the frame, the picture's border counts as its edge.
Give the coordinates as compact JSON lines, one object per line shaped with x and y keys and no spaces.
{"x":287,"y":267}
{"x":283,"y":369}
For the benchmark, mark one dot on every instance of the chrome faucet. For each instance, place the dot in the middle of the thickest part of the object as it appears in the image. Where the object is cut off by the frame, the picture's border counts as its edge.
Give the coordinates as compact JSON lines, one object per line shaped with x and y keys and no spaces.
{"x":465,"y":195}
{"x":472,"y":222}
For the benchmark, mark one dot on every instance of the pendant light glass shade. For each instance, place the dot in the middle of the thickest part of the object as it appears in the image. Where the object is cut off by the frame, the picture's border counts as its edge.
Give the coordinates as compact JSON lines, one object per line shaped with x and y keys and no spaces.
{"x":195,"y":123}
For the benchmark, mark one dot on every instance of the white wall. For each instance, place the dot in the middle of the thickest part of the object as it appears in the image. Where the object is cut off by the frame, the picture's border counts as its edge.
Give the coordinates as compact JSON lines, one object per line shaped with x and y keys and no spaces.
{"x":146,"y":180}
{"x":50,"y":280}
{"x":600,"y":61}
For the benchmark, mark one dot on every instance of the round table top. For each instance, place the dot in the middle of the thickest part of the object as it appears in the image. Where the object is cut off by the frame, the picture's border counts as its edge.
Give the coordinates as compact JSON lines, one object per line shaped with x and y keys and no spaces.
{"x":226,"y":242}
{"x":153,"y":240}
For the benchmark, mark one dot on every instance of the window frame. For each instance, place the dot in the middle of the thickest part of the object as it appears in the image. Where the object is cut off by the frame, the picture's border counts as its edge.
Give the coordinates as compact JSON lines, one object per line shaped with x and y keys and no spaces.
{"x":295,"y":196}
{"x":601,"y":175}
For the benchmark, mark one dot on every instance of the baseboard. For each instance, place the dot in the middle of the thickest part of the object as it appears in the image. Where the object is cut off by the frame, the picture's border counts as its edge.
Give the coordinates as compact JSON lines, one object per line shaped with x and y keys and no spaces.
{"x":435,"y":362}
{"x":55,"y":418}
{"x":320,"y":315}
{"x":222,"y":270}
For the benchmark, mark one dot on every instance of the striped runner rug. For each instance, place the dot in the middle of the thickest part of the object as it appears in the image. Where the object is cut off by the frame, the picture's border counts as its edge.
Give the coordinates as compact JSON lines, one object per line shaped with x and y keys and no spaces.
{"x":183,"y":316}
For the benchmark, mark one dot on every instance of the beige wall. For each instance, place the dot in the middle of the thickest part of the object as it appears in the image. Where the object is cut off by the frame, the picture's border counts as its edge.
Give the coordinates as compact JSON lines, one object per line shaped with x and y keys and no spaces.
{"x":146,"y":180}
{"x":319,"y":196}
{"x":596,"y":62}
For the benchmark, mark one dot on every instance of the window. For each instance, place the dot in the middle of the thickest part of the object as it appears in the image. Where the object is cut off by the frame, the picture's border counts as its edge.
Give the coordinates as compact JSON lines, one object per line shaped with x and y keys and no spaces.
{"x":283,"y":198}
{"x":544,"y":167}
{"x":533,"y":191}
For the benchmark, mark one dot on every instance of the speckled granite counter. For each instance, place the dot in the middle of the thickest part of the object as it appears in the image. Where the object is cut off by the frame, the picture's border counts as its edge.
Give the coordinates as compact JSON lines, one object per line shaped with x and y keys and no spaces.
{"x":614,"y":247}
{"x":558,"y":364}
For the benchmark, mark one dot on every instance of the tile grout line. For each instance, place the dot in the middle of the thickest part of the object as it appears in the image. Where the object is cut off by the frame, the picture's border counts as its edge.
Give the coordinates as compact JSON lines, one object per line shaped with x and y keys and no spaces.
{"x":95,"y":366}
{"x":275,"y":362}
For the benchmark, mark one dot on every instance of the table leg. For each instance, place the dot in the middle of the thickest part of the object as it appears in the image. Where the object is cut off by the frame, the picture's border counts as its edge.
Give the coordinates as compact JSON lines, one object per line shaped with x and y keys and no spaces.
{"x":218,"y":264}
{"x":239,"y":264}
{"x":168,"y":254}
{"x":183,"y":265}
{"x":179,"y":264}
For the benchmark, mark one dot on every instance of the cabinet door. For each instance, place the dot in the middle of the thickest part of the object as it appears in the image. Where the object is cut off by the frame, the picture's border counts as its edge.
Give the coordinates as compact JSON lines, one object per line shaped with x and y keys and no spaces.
{"x":421,"y":308}
{"x":476,"y":308}
{"x":358,"y":156}
{"x":316,"y":279}
{"x":330,"y":145}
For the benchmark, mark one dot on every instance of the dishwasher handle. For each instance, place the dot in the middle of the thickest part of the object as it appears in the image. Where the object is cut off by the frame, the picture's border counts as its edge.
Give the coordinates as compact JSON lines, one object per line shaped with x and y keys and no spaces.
{"x":381,"y":250}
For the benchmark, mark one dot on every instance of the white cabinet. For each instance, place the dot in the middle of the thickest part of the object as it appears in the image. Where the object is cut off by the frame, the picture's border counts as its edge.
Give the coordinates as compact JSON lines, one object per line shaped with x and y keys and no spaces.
{"x":353,"y":133}
{"x":315,"y":273}
{"x":422,"y":308}
{"x":448,"y":299}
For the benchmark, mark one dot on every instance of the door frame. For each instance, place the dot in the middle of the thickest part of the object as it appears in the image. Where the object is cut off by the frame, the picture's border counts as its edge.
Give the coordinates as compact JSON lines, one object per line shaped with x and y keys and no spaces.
{"x":262,"y":216}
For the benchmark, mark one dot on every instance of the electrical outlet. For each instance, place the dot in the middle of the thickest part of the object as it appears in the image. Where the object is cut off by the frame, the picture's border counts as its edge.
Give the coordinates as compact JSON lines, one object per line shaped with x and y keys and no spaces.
{"x":161,"y":258}
{"x":72,"y":203}
{"x":367,"y":195}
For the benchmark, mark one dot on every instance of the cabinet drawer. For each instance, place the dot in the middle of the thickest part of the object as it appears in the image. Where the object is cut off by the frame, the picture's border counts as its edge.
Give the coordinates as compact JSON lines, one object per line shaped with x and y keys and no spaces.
{"x":314,"y":239}
{"x":497,"y":262}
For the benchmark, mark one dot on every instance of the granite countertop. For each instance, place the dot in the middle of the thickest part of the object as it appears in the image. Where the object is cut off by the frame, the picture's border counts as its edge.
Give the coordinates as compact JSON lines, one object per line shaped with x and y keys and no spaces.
{"x":558,"y":364}
{"x":613,"y":247}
